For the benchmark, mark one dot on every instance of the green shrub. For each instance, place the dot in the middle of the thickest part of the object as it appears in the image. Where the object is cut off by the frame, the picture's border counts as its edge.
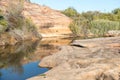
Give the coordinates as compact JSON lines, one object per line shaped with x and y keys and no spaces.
{"x":80,"y":27}
{"x":3,"y":25}
{"x":17,"y":23}
{"x":70,"y":12}
{"x":1,"y":17}
{"x":14,"y":15}
{"x":94,"y":22}
{"x":30,"y":27}
{"x":101,"y":27}
{"x":3,"y":22}
{"x":75,"y":28}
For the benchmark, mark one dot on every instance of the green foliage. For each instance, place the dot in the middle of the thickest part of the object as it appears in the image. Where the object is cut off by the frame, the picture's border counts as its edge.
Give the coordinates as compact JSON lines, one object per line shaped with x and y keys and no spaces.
{"x":17,"y":23}
{"x":90,"y":15}
{"x":75,"y":28}
{"x":93,"y":22}
{"x":116,"y":11}
{"x":79,"y":26}
{"x":1,"y":17}
{"x":14,"y":16}
{"x":3,"y":22}
{"x":101,"y":27}
{"x":3,"y":26}
{"x":29,"y":27}
{"x":70,"y":12}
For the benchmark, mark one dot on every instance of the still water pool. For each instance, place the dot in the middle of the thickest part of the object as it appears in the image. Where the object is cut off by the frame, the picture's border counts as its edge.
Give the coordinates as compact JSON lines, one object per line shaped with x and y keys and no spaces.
{"x":27,"y":71}
{"x":20,"y":62}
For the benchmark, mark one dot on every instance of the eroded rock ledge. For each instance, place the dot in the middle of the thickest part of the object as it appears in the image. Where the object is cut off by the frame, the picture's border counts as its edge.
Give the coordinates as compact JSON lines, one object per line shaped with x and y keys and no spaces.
{"x":91,"y":59}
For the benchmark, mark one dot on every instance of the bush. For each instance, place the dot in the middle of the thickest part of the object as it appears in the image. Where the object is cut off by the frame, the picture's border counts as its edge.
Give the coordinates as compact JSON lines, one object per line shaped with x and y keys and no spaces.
{"x":30,"y":27}
{"x":79,"y":27}
{"x":14,"y":16}
{"x":101,"y":27}
{"x":3,"y":22}
{"x":93,"y":22}
{"x":75,"y":28}
{"x":70,"y":12}
{"x":18,"y":25}
{"x":3,"y":26}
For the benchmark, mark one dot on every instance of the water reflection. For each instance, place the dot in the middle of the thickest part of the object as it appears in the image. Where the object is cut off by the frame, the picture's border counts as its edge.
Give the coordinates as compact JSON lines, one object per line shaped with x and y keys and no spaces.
{"x":11,"y":56}
{"x":50,"y":46}
{"x":14,"y":58}
{"x":30,"y":69}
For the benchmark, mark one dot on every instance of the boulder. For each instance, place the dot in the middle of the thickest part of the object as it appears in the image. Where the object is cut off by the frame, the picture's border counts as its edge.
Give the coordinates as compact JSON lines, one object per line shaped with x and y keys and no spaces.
{"x":100,"y":62}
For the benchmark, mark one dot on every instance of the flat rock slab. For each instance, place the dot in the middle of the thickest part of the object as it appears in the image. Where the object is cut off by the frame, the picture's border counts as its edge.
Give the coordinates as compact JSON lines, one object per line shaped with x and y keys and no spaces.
{"x":99,"y":62}
{"x":98,"y":42}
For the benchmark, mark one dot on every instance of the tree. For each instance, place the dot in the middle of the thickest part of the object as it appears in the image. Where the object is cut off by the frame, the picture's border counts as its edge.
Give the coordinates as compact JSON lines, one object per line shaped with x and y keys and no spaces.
{"x":116,"y":11}
{"x":70,"y":12}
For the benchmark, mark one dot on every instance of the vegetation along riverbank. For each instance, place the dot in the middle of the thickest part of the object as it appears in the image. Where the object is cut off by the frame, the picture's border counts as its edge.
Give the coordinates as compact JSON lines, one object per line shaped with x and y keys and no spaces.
{"x":94,"y":23}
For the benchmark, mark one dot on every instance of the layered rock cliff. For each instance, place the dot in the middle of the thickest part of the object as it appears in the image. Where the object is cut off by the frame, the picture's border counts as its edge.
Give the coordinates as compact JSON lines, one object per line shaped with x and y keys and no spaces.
{"x":49,"y":22}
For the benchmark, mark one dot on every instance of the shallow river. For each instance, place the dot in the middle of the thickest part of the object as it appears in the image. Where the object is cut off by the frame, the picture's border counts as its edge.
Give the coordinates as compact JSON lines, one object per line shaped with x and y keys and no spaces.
{"x":21,"y":61}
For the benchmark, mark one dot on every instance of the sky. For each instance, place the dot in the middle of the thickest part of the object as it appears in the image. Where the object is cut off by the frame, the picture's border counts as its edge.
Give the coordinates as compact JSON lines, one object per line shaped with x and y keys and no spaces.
{"x":81,"y":5}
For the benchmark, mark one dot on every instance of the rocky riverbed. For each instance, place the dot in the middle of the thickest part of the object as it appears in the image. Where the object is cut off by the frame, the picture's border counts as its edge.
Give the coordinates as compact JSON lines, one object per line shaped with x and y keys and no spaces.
{"x":90,"y":59}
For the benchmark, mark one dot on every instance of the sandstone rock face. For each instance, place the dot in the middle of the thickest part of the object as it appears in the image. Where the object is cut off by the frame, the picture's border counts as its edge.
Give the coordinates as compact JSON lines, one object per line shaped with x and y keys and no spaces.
{"x":84,"y":62}
{"x":48,"y":22}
